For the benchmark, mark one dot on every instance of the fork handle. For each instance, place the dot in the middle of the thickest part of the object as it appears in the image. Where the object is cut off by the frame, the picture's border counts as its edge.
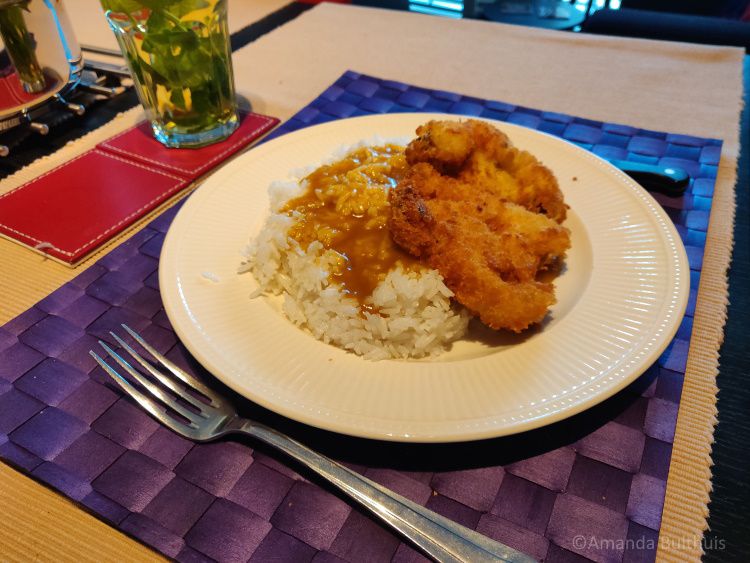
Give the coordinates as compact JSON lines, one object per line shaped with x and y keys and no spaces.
{"x":440,"y":538}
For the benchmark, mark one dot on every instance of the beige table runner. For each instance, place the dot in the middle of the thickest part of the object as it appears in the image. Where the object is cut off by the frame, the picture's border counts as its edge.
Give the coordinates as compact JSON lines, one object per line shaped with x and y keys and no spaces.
{"x":642,"y":83}
{"x":91,"y":27}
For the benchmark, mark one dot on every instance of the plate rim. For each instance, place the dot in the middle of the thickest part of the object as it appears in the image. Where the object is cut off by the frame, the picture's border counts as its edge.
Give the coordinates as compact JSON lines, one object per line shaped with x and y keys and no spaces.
{"x":174,"y":307}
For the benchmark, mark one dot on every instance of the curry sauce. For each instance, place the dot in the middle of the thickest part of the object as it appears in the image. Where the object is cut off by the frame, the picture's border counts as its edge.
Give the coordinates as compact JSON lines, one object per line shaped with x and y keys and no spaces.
{"x":345,"y":207}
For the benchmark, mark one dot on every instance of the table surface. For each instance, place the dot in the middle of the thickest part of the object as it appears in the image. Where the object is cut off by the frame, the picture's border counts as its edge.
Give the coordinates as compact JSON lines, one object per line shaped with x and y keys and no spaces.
{"x":284,"y":70}
{"x":731,"y":473}
{"x":91,"y":29}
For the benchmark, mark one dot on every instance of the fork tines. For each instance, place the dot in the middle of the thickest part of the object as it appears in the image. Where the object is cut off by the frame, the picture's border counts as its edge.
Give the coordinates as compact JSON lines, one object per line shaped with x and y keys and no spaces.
{"x":191,"y":413}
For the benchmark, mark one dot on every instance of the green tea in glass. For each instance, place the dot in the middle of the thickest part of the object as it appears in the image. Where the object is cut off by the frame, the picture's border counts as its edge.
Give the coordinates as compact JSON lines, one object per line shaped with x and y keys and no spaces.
{"x":178,"y":53}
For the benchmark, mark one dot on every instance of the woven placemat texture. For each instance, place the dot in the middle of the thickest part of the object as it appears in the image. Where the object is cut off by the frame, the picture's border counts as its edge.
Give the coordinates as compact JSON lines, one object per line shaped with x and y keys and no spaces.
{"x":589,"y":488}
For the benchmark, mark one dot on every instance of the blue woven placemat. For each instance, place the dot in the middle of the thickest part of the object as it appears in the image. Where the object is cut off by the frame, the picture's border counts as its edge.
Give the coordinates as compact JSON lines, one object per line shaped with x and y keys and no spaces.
{"x":589,"y":488}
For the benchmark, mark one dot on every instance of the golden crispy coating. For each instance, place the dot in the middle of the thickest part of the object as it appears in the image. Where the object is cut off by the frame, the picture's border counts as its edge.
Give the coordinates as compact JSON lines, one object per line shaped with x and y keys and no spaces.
{"x":478,"y":154}
{"x":488,"y":247}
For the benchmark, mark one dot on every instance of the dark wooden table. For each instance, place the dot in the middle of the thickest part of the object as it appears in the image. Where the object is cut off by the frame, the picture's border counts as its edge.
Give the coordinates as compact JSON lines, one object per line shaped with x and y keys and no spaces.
{"x":731,"y":455}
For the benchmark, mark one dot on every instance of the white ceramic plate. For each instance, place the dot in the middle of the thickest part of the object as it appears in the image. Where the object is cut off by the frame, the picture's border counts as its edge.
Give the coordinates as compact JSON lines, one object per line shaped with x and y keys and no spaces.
{"x":620,"y":301}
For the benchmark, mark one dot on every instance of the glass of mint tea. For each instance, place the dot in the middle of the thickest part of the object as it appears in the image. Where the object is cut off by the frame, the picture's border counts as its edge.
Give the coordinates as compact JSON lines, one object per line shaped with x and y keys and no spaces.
{"x":178,"y":53}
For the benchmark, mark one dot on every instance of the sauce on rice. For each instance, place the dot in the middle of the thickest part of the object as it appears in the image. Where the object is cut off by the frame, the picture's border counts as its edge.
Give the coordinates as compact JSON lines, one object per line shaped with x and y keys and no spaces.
{"x":345,"y":207}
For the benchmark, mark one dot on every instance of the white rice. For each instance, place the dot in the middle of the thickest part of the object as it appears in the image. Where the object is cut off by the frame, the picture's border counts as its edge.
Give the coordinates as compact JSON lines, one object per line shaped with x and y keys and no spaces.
{"x":210,"y":276}
{"x":415,"y":316}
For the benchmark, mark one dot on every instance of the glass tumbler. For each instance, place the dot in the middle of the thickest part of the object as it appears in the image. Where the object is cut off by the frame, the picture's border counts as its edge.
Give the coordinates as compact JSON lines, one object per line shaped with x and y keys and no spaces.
{"x":179,"y":56}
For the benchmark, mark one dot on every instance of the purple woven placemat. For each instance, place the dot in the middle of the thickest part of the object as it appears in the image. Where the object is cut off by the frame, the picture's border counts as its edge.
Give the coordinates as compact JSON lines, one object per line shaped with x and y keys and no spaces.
{"x":588,"y":488}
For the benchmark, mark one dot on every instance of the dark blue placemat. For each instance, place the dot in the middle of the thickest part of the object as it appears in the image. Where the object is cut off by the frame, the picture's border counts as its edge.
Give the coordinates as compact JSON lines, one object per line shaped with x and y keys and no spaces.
{"x":589,"y":488}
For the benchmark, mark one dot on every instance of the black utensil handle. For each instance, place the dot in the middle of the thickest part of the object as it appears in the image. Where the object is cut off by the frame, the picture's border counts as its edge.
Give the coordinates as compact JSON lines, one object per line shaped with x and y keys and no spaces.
{"x":663,"y":179}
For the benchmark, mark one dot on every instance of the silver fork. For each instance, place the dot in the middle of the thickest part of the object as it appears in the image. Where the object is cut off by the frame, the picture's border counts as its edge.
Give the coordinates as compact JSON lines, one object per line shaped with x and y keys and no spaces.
{"x":438,"y":537}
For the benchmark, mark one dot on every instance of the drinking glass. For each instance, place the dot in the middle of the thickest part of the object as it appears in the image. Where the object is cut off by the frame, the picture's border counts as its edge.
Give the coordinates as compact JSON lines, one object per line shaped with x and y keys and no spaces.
{"x":179,"y":56}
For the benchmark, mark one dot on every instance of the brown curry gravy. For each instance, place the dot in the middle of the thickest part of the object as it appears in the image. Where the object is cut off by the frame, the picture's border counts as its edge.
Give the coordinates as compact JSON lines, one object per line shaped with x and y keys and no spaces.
{"x":345,"y":207}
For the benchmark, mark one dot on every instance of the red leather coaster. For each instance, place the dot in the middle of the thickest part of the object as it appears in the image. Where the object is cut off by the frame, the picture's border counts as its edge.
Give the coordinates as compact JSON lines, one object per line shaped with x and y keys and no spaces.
{"x":138,"y":144}
{"x":73,"y":209}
